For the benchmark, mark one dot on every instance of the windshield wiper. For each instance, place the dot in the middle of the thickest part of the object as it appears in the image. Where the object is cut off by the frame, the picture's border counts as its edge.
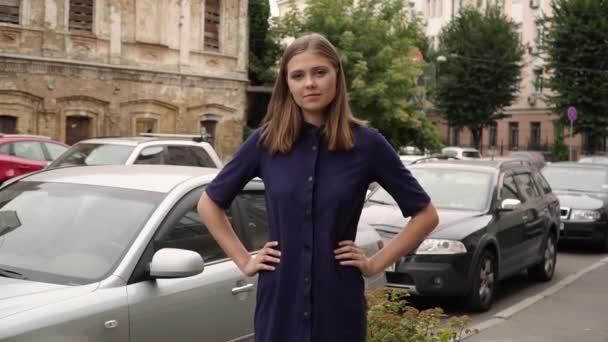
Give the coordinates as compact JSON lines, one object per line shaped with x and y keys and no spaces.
{"x":11,"y":274}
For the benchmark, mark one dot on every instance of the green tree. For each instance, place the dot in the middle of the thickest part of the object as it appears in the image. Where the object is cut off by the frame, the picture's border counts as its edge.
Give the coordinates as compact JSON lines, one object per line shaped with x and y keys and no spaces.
{"x":377,"y":42}
{"x":576,"y":45}
{"x":482,"y":72}
{"x":263,"y":49}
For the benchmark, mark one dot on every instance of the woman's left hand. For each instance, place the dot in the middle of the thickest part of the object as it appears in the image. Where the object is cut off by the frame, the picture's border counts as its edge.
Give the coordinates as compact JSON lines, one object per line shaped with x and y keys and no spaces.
{"x":350,"y":254}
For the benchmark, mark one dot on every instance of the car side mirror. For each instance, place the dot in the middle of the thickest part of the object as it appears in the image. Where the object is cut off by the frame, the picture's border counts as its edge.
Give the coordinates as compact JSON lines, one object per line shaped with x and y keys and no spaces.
{"x":176,"y":263}
{"x":46,"y":165}
{"x":152,"y":151}
{"x":509,"y":204}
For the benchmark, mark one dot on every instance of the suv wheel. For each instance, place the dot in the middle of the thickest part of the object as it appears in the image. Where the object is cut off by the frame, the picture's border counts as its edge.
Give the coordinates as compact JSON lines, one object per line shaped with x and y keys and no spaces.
{"x":485,"y":276}
{"x":545,"y":269}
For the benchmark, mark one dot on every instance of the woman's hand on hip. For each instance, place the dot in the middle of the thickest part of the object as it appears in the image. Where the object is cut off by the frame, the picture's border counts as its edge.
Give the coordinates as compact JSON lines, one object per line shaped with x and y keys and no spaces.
{"x":260,"y":262}
{"x":349,"y":254}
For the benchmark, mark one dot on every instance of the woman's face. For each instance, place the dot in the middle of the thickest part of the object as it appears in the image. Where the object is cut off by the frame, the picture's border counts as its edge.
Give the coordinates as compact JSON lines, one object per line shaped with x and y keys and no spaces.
{"x":312,"y":82}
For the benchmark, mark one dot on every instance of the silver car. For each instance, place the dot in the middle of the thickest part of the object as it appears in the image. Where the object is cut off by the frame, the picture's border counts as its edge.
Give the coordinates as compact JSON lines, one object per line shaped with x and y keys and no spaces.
{"x":115,"y":253}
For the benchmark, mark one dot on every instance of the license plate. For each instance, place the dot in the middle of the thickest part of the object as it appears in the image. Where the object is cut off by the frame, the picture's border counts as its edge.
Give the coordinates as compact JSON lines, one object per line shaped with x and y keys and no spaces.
{"x":561,"y":226}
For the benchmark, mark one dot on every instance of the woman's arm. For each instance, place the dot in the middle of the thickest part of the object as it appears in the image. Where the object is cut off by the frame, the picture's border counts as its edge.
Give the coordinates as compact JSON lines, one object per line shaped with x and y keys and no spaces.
{"x":216,"y":221}
{"x":418,"y":228}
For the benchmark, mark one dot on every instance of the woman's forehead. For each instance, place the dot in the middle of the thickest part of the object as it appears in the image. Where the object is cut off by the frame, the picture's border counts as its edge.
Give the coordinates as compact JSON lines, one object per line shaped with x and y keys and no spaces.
{"x":307,"y":60}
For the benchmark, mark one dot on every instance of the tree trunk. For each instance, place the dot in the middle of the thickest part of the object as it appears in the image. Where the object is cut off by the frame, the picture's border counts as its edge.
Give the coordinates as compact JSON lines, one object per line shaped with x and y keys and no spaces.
{"x":476,"y":133}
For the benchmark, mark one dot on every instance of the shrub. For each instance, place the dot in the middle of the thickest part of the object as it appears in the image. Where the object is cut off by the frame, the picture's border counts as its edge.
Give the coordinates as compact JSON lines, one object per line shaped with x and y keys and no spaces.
{"x":390,"y":318}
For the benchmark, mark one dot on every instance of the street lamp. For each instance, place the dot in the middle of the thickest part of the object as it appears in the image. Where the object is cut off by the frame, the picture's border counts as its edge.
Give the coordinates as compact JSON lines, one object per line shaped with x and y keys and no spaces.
{"x":441,"y":59}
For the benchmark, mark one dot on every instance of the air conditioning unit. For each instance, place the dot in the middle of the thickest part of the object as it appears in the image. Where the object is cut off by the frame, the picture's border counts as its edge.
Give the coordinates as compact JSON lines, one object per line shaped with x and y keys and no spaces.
{"x":534,"y":3}
{"x":533,"y":50}
{"x":533,"y":98}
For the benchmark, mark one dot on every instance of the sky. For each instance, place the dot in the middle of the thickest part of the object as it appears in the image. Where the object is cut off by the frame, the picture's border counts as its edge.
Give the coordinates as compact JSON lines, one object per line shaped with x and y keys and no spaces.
{"x":274,"y":9}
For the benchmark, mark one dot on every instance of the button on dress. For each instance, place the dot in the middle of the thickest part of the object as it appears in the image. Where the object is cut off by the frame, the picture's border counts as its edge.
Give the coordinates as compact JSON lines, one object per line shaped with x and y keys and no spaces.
{"x":314,"y":199}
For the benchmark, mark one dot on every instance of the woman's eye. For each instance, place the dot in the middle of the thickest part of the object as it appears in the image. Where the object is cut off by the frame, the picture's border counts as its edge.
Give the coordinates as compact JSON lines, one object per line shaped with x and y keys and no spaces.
{"x":321,"y":72}
{"x":296,"y":76}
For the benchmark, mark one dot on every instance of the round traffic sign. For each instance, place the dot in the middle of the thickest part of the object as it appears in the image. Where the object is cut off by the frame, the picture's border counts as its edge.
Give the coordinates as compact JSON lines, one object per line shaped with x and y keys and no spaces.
{"x":571,"y":113}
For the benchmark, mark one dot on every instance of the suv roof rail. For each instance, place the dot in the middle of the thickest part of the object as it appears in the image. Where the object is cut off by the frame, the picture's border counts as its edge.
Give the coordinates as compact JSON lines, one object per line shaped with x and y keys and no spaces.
{"x":514,"y":161}
{"x":194,"y":137}
{"x":439,"y":157}
{"x":3,"y":135}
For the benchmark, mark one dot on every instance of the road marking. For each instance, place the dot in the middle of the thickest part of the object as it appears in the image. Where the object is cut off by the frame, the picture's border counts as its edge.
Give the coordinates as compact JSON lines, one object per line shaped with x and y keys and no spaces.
{"x":524,"y":304}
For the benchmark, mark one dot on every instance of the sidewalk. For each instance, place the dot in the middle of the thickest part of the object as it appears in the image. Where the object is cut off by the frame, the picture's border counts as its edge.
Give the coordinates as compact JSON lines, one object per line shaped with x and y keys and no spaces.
{"x":577,"y":311}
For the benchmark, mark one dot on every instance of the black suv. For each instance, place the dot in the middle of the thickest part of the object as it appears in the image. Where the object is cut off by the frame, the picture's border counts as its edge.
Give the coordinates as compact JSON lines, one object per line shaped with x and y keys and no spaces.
{"x":496,"y":219}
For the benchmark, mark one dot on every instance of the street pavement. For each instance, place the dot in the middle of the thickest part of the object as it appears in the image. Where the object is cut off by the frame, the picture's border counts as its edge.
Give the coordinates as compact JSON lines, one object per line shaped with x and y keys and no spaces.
{"x":513,"y":291}
{"x":574,"y":312}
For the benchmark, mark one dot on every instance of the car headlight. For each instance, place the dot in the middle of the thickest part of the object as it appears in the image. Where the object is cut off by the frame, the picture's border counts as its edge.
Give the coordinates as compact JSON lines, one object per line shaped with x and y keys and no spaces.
{"x":441,"y":246}
{"x":589,"y":215}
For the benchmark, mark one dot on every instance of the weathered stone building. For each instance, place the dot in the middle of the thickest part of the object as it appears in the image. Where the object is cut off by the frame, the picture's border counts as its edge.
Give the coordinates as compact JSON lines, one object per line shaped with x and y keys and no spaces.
{"x":73,"y":69}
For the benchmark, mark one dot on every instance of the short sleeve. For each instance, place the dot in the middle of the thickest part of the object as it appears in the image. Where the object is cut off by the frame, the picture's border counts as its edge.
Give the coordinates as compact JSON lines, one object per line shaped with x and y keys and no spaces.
{"x":243,"y":167}
{"x":388,"y":170}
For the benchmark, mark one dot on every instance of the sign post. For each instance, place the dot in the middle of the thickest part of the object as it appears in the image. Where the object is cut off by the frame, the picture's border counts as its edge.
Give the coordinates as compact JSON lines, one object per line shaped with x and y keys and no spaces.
{"x":572,"y":117}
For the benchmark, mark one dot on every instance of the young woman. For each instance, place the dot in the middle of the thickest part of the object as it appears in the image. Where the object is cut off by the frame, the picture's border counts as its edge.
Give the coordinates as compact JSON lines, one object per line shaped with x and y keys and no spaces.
{"x":316,"y":161}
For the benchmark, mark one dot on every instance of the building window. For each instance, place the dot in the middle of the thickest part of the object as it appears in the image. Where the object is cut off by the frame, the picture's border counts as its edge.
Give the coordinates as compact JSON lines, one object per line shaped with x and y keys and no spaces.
{"x":212,"y":25}
{"x":145,"y":125}
{"x":513,"y":135}
{"x":493,"y":131}
{"x":538,"y":81}
{"x":456,"y":137}
{"x":81,"y":15}
{"x":208,"y":131}
{"x":8,"y":124}
{"x":9,"y":11}
{"x":538,"y":35}
{"x":534,"y":135}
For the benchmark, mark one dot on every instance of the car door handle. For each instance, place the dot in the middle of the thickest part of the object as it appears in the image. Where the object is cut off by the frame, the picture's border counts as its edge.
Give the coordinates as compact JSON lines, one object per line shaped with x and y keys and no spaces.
{"x":244,"y":288}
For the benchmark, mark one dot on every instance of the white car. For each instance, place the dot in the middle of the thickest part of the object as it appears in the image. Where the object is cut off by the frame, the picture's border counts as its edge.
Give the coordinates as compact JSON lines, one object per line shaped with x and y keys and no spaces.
{"x":118,"y":253}
{"x":166,"y":149}
{"x":464,"y":153}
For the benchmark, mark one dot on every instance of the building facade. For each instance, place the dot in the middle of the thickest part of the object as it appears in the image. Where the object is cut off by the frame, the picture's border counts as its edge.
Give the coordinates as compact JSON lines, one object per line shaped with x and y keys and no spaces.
{"x":73,"y":69}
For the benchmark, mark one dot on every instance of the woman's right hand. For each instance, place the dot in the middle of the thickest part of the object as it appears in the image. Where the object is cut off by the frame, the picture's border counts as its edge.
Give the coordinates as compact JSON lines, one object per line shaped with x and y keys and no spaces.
{"x":260,"y":261}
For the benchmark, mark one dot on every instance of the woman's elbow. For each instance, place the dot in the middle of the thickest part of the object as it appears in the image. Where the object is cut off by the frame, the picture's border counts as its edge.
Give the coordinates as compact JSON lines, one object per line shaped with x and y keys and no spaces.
{"x":429,"y":215}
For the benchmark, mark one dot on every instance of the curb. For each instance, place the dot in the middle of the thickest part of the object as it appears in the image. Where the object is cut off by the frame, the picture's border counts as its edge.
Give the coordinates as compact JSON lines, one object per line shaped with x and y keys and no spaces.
{"x":524,"y":304}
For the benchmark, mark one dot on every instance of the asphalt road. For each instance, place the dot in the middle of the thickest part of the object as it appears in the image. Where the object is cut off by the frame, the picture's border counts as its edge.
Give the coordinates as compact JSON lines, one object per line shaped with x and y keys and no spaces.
{"x":570,"y":259}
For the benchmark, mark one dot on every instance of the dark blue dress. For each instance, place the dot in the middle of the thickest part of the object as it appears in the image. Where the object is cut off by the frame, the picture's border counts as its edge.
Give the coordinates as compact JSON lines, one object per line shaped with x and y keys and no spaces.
{"x":314,"y":198}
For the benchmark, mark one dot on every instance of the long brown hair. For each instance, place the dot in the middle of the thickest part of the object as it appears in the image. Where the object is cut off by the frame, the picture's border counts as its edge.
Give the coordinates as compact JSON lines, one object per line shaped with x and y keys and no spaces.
{"x":283,"y":120}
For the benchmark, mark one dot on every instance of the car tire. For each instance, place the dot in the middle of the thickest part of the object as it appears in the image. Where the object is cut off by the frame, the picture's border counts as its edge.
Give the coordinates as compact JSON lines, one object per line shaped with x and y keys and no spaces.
{"x":544,"y":270}
{"x":485,"y":277}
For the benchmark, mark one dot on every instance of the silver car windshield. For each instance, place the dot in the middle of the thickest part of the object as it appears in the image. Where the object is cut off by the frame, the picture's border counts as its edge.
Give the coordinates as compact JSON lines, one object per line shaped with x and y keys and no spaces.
{"x":449,"y":189}
{"x":94,"y":154}
{"x":577,"y":178}
{"x":69,"y":233}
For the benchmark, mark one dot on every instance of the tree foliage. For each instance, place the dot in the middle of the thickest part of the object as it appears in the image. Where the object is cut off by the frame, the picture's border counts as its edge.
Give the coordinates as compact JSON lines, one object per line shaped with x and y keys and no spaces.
{"x":377,"y":42}
{"x":263,"y":49}
{"x":482,"y":70}
{"x":576,"y":46}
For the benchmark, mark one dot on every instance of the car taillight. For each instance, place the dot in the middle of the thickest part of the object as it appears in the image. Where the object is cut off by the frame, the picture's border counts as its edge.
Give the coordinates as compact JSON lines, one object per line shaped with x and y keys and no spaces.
{"x":380,"y":244}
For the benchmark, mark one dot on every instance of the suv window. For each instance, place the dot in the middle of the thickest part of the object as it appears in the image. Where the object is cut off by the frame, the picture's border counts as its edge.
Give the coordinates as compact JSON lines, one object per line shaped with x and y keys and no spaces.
{"x":203,"y":158}
{"x":541,"y":182}
{"x":508,"y":189}
{"x":5,"y":149}
{"x":252,"y":205}
{"x":29,"y":150}
{"x":526,"y":186}
{"x":180,"y":155}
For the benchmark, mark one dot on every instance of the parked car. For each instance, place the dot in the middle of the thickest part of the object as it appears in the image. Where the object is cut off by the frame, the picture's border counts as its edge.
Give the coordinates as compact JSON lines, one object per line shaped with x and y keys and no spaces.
{"x":582,"y":189}
{"x":118,"y":253}
{"x":536,"y":158}
{"x":496,"y":219}
{"x":21,"y":154}
{"x":463,"y":153}
{"x":169,"y":149}
{"x":594,"y":159}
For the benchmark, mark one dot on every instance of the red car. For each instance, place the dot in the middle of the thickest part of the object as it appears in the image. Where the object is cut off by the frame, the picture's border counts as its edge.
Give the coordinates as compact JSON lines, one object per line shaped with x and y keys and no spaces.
{"x":21,"y":154}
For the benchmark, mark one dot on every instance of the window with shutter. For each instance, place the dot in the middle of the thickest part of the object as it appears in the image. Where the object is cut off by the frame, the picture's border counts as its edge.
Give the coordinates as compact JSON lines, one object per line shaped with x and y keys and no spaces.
{"x":9,"y":11}
{"x":81,"y":15}
{"x":212,"y":25}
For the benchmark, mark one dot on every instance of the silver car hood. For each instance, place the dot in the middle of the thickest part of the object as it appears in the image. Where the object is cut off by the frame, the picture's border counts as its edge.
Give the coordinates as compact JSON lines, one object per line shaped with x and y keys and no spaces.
{"x":21,"y":295}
